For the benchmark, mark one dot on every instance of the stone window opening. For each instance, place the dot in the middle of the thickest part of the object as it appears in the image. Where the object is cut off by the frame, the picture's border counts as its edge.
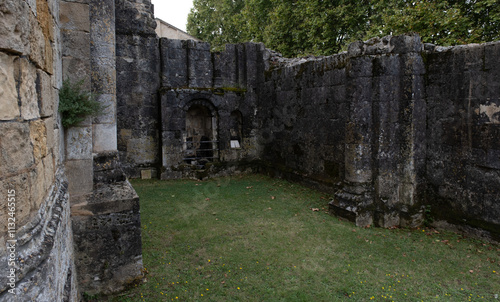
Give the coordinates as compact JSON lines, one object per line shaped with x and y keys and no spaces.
{"x":200,"y":143}
{"x":235,"y":130}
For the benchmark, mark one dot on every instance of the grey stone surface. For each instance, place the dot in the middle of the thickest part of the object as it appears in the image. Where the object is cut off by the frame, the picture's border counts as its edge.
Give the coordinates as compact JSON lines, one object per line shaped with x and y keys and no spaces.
{"x":9,"y":108}
{"x":16,"y":149}
{"x":15,"y":31}
{"x":74,"y":16}
{"x":107,"y":230}
{"x":138,"y":80}
{"x":79,"y":143}
{"x":80,"y":176}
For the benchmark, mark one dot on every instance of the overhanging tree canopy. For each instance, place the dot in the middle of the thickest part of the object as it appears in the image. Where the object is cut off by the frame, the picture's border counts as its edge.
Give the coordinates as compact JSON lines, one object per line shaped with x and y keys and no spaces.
{"x":323,"y":27}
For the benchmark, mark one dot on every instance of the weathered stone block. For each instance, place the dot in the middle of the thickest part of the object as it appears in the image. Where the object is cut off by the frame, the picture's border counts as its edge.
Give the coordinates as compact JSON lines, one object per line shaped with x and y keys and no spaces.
{"x":37,"y":44}
{"x":80,"y":176}
{"x":360,"y":67}
{"x":144,"y":150}
{"x":27,"y":75}
{"x":57,"y":76}
{"x":39,"y":183}
{"x":103,"y":75}
{"x":45,"y":19}
{"x":50,"y":126}
{"x":407,"y":194}
{"x":108,"y":114}
{"x":76,"y":44}
{"x":104,"y":138}
{"x":77,"y":69}
{"x":364,"y":219}
{"x":107,"y":238}
{"x":16,"y":150}
{"x":174,"y":63}
{"x":46,"y":94}
{"x":79,"y":143}
{"x":38,"y":135}
{"x":74,"y":16}
{"x":407,"y":43}
{"x":14,"y":29}
{"x":356,"y":49}
{"x":21,"y":184}
{"x":492,"y":53}
{"x":9,"y":108}
{"x":358,"y":163}
{"x":146,"y":174}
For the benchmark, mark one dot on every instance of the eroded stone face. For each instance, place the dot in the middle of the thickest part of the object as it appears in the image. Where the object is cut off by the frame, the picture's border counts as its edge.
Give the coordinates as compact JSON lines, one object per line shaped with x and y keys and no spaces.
{"x":16,"y":152}
{"x":27,"y":76}
{"x":15,"y":31}
{"x":9,"y":108}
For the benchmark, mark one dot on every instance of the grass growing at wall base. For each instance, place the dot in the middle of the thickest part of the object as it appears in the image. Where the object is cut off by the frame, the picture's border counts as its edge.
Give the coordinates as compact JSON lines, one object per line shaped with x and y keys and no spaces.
{"x":253,"y":238}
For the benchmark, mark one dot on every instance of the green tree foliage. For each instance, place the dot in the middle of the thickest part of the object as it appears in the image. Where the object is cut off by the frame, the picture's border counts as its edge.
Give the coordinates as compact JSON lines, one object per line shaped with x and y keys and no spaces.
{"x":217,"y":21}
{"x":322,"y":27}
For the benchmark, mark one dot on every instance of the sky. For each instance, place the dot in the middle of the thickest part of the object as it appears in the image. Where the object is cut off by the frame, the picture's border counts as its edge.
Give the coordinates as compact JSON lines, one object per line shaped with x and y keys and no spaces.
{"x":174,"y":12}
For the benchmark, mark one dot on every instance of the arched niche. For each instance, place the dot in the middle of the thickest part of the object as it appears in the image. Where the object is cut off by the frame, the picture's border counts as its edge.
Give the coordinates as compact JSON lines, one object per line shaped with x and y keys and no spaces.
{"x":200,"y":137}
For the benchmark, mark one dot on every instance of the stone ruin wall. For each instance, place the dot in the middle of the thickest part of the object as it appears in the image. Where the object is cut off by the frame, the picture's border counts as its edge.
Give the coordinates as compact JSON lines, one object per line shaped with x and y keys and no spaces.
{"x":224,"y":83}
{"x":137,"y":74}
{"x":392,"y":127}
{"x":463,"y":135}
{"x":351,"y":122}
{"x":104,"y":206}
{"x":32,"y":155}
{"x":77,"y":217}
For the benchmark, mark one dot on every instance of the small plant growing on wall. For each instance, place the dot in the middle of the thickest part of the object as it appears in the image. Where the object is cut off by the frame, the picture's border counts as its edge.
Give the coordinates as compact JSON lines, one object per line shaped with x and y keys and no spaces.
{"x":76,"y":104}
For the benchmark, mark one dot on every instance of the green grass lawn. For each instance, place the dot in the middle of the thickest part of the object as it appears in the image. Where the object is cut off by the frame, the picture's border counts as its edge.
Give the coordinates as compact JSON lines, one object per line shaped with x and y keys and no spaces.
{"x":253,"y":238}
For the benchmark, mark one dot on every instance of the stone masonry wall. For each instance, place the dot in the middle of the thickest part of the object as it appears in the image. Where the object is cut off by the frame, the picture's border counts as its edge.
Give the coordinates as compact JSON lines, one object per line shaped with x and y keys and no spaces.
{"x":303,"y":114}
{"x":463,"y":135}
{"x":138,"y":81}
{"x":225,"y":85}
{"x":349,"y":124}
{"x":40,"y":265}
{"x":106,"y":218}
{"x":394,"y":128}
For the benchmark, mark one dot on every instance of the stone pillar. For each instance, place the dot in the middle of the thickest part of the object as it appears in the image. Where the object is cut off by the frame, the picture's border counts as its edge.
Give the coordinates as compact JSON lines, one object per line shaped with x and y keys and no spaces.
{"x":75,"y":31}
{"x":138,"y":80}
{"x":106,"y":223}
{"x":385,"y":134}
{"x":103,"y":76}
{"x":356,"y":199}
{"x":413,"y":125}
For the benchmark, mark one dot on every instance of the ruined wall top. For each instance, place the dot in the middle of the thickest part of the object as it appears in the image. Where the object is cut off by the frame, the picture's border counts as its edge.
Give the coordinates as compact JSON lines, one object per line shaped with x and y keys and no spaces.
{"x":135,"y":17}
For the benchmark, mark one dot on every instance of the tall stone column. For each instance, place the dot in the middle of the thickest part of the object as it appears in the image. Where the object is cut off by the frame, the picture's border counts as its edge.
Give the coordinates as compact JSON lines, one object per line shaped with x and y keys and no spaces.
{"x":385,"y":134}
{"x":356,"y":199}
{"x":103,"y":76}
